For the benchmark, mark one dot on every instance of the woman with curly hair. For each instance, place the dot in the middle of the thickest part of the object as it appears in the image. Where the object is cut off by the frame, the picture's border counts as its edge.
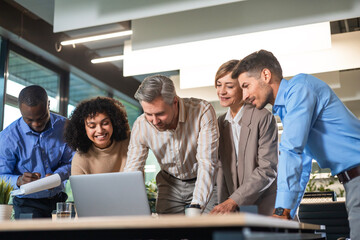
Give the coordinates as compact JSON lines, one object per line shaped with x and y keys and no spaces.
{"x":99,"y":131}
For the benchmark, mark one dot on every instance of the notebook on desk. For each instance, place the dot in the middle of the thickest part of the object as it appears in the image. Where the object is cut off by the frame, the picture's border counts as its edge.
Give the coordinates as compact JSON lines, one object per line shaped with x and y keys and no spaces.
{"x":110,"y":194}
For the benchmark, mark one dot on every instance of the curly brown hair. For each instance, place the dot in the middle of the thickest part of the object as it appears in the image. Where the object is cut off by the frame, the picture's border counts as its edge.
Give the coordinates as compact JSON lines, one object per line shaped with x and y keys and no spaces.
{"x":75,"y":133}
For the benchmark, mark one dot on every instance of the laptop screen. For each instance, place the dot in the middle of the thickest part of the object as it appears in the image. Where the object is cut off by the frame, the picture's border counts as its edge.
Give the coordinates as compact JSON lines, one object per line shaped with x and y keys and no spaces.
{"x":110,"y":194}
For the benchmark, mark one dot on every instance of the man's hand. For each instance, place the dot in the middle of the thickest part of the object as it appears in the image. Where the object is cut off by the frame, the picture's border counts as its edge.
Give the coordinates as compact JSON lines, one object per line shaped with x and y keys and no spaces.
{"x":27,"y":177}
{"x":227,"y":206}
{"x":283,"y":214}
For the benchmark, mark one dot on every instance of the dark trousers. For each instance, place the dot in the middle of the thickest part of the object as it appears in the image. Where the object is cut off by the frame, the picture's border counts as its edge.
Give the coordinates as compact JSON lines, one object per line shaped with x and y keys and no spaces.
{"x":38,"y":208}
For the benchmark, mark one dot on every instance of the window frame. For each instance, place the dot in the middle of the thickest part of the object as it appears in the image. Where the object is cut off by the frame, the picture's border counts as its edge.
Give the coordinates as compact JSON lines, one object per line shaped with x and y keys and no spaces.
{"x":6,"y":47}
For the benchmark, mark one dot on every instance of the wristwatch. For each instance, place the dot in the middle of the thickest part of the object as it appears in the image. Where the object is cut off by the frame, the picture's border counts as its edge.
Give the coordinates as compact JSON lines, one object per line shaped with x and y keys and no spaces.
{"x":279,"y":211}
{"x":193,"y":206}
{"x":282,"y":212}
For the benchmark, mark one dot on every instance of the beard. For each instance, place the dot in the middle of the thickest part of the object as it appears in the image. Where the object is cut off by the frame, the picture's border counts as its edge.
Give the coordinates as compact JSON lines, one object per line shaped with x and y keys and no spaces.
{"x":162,"y":127}
{"x":267,"y":93}
{"x":167,"y":126}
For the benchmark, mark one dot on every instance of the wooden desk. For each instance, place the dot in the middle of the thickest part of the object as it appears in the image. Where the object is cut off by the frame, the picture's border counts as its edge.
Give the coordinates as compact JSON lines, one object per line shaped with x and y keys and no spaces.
{"x":234,"y":226}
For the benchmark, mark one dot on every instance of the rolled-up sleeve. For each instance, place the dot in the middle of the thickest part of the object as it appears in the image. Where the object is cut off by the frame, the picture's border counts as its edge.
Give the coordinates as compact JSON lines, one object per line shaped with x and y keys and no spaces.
{"x":137,"y":150}
{"x":207,"y":157}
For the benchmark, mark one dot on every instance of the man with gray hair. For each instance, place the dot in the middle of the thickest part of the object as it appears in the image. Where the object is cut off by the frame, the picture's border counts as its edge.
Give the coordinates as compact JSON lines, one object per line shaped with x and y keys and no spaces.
{"x":183,"y":135}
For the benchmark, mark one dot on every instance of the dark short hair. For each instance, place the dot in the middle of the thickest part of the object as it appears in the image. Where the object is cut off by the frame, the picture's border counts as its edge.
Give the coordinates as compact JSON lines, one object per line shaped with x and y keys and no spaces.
{"x":256,"y":62}
{"x":225,"y":69}
{"x":75,"y":133}
{"x":33,"y":95}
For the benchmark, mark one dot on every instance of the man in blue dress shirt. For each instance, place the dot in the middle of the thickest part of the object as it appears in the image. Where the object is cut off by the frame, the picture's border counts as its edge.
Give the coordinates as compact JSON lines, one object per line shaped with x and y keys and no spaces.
{"x":317,"y":125}
{"x":32,"y":147}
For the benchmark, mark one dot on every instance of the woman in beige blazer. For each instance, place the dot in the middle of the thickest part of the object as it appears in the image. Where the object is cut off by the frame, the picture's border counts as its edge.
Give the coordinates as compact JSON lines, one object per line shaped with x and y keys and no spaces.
{"x":248,"y":150}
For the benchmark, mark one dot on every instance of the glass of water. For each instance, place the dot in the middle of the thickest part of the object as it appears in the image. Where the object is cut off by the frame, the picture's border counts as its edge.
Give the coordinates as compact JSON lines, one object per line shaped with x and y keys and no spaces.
{"x":63,"y":210}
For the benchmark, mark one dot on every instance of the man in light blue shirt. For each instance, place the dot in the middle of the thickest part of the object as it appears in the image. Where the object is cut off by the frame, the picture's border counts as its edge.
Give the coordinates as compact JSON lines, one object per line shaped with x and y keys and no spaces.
{"x":32,"y":147}
{"x":317,"y":125}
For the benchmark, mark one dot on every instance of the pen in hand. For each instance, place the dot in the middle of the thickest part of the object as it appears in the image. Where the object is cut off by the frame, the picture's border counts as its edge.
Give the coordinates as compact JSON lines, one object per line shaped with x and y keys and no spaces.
{"x":27,"y":177}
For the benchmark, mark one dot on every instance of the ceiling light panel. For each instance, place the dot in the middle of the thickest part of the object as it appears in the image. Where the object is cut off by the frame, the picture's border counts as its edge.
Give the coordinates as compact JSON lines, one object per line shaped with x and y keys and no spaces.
{"x":97,"y":38}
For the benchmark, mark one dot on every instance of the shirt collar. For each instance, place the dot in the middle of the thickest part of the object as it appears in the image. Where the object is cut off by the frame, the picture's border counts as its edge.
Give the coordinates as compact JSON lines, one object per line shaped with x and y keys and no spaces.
{"x":280,"y":97}
{"x":237,"y":117}
{"x":26,"y":129}
{"x":182,"y":112}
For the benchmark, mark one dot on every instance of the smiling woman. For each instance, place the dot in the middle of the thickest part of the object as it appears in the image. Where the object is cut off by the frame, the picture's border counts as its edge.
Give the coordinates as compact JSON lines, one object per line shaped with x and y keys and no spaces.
{"x":99,"y":131}
{"x":247,"y":150}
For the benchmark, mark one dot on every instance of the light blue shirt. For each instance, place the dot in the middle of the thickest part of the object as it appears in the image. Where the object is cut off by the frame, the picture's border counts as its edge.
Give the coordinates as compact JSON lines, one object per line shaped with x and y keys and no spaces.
{"x":317,"y":125}
{"x":23,"y":150}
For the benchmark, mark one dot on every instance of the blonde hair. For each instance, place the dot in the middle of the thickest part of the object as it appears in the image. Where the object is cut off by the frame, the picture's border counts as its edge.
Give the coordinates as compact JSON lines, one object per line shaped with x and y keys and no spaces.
{"x":225,"y":69}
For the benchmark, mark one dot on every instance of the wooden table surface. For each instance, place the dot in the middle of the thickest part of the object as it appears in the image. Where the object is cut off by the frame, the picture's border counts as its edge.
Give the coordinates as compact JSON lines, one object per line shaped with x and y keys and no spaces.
{"x":144,"y":222}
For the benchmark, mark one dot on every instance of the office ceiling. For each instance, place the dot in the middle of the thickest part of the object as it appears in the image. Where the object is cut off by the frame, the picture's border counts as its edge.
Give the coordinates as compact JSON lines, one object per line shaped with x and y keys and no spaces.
{"x":45,"y":10}
{"x":346,"y":25}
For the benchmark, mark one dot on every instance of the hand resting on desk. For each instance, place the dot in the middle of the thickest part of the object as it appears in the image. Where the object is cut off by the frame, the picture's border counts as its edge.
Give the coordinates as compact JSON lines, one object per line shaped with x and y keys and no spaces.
{"x":227,"y":206}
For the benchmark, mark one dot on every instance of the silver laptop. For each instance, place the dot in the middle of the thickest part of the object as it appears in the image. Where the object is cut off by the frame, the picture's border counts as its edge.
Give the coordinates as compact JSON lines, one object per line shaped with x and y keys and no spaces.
{"x":110,"y":194}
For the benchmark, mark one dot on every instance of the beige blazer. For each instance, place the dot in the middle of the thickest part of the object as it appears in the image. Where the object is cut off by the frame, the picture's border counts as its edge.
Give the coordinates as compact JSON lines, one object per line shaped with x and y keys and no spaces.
{"x":253,"y":180}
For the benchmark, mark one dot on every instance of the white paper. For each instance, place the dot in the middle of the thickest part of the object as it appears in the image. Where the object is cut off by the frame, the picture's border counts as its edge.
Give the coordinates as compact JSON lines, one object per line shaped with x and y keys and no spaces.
{"x":38,"y":185}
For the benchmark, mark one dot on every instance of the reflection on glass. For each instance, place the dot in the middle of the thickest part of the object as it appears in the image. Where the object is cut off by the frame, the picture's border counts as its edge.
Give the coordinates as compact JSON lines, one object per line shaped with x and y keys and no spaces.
{"x":13,"y":89}
{"x":24,"y":72}
{"x":81,"y":90}
{"x":70,"y":109}
{"x":132,"y":111}
{"x":12,"y":114}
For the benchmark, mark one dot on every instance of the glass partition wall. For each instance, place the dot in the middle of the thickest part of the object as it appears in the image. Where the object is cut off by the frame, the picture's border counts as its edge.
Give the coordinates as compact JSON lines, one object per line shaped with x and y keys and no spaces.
{"x":22,"y":72}
{"x":21,"y":68}
{"x":80,"y":90}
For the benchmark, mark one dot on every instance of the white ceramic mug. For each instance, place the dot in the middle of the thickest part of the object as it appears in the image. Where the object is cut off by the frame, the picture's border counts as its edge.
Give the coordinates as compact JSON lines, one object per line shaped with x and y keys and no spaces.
{"x":192,"y":210}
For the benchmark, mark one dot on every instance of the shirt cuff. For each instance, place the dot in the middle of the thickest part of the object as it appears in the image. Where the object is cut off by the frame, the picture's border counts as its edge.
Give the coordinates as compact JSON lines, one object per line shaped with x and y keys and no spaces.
{"x":13,"y":180}
{"x":196,"y":203}
{"x":286,"y":199}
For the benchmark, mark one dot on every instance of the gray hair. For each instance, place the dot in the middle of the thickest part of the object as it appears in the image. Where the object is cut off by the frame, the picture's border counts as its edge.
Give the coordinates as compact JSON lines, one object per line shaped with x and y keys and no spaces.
{"x":156,"y":86}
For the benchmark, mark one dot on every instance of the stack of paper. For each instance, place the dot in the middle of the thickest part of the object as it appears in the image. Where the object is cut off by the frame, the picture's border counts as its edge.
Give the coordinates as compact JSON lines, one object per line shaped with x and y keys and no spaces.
{"x":38,"y":185}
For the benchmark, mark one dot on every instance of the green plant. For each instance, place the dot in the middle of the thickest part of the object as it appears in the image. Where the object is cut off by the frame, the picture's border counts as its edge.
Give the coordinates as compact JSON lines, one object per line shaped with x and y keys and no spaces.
{"x":311,"y":186}
{"x":323,"y":185}
{"x":151,"y":190}
{"x":5,"y":189}
{"x":341,"y":192}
